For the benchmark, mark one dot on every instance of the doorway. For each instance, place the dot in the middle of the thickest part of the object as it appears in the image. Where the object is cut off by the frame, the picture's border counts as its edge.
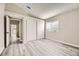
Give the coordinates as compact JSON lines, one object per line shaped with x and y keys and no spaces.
{"x":13,"y":30}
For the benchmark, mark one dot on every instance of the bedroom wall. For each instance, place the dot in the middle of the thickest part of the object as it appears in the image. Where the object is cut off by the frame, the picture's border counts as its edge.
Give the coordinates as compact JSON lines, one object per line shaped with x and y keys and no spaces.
{"x":68,"y":28}
{"x":1,"y":27}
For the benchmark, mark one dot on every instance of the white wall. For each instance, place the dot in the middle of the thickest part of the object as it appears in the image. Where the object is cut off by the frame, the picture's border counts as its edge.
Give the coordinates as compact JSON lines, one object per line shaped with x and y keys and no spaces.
{"x":1,"y":27}
{"x":68,"y":28}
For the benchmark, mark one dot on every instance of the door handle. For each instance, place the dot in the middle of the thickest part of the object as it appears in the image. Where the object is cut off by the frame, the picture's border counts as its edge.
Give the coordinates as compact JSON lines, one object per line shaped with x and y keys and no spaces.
{"x":7,"y":32}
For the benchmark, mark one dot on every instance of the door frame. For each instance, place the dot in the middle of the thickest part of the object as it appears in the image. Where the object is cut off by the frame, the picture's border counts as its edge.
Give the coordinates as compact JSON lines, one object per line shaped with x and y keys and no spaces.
{"x":5,"y":40}
{"x":5,"y":29}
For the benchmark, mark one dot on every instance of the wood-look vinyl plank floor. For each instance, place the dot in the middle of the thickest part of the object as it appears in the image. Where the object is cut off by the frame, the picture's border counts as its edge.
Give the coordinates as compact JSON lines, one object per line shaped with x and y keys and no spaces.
{"x":43,"y":47}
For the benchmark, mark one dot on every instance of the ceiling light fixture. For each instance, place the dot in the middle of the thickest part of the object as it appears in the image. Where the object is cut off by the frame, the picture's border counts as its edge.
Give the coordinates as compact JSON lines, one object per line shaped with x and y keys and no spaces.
{"x":28,"y":7}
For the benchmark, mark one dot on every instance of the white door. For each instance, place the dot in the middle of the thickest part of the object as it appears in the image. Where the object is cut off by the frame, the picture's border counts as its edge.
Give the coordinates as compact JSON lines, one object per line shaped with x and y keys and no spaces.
{"x":40,"y":29}
{"x":7,"y":31}
{"x":31,"y":29}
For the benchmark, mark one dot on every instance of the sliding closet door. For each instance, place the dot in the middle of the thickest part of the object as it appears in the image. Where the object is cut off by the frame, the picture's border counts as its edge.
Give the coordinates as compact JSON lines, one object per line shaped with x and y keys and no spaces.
{"x":31,"y":29}
{"x":35,"y":29}
{"x":40,"y":29}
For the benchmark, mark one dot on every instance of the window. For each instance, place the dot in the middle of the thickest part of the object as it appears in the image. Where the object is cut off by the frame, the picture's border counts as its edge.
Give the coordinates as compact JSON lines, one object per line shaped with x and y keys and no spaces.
{"x":52,"y":26}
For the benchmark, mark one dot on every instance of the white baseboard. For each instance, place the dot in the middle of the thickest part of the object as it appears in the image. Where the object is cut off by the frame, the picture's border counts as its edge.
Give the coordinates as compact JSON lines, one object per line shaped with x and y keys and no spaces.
{"x":1,"y":50}
{"x":73,"y":45}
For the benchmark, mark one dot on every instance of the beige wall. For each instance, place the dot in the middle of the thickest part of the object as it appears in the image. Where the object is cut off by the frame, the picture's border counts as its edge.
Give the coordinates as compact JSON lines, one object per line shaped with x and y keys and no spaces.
{"x":68,"y":28}
{"x":1,"y":27}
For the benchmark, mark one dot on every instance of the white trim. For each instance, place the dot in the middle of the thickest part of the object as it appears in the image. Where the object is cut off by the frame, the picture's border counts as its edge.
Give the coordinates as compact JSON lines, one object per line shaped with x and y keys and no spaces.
{"x":15,"y":15}
{"x":1,"y":50}
{"x":73,"y":45}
